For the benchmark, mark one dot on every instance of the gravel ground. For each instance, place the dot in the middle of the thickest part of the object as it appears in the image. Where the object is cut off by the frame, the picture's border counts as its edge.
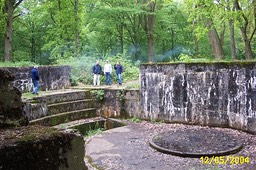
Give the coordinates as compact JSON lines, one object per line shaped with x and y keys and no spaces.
{"x":127,"y":148}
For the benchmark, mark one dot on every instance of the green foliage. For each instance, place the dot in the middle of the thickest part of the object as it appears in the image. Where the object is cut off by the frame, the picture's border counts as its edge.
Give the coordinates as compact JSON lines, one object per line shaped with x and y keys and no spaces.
{"x":82,"y":68}
{"x":94,"y":132}
{"x":155,"y":121}
{"x":184,"y":57}
{"x":16,"y":64}
{"x":121,"y":96}
{"x":74,"y":80}
{"x":98,"y":94}
{"x":133,"y":86}
{"x":130,"y":71}
{"x":135,"y":119}
{"x":47,"y":31}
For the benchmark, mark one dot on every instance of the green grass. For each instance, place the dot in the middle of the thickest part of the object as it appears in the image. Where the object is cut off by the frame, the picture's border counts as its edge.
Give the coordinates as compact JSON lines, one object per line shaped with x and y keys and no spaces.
{"x":94,"y":132}
{"x":135,"y":119}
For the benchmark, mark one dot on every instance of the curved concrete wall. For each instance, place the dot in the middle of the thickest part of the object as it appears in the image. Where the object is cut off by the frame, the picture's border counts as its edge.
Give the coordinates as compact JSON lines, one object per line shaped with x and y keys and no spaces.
{"x":215,"y":94}
{"x":51,"y":77}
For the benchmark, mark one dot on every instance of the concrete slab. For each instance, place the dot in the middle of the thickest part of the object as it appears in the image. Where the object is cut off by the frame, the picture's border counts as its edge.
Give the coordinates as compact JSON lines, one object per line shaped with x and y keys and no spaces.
{"x":128,"y":148}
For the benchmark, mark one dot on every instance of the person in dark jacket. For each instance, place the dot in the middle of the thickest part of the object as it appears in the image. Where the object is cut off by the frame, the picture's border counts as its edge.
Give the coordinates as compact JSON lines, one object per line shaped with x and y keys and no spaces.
{"x":35,"y":79}
{"x":96,"y":73}
{"x":119,"y":70}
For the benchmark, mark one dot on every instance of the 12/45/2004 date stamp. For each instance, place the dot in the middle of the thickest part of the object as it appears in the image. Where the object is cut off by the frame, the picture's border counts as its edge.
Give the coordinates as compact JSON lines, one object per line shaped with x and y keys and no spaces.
{"x":222,"y":160}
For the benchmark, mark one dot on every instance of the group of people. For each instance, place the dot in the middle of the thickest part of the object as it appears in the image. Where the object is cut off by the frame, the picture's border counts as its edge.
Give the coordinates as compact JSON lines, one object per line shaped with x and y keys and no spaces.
{"x":97,"y":70}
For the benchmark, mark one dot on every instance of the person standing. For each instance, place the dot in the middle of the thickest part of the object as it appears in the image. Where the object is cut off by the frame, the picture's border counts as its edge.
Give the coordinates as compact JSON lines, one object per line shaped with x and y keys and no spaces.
{"x":107,"y":72}
{"x":35,"y":79}
{"x":96,"y":73}
{"x":119,"y":70}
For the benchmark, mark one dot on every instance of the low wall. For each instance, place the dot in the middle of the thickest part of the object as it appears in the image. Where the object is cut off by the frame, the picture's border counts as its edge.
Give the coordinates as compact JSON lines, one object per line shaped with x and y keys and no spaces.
{"x":38,"y":149}
{"x":51,"y":77}
{"x":11,"y":106}
{"x":119,"y":103}
{"x":214,"y":94}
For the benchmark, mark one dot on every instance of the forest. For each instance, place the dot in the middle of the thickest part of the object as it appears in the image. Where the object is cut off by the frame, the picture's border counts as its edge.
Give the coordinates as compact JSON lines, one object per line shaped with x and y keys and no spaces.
{"x":50,"y":31}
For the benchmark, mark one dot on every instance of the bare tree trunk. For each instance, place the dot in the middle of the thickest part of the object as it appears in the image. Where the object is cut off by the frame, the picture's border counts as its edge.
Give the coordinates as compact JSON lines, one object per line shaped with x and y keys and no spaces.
{"x":9,"y":29}
{"x":247,"y":43}
{"x":120,"y":30}
{"x":77,"y":28}
{"x":33,"y":46}
{"x":222,"y":34}
{"x":121,"y":38}
{"x":243,"y":29}
{"x":232,"y":33}
{"x":215,"y":42}
{"x":151,"y":41}
{"x":134,"y":34}
{"x":147,"y":22}
{"x":232,"y":40}
{"x":10,"y":6}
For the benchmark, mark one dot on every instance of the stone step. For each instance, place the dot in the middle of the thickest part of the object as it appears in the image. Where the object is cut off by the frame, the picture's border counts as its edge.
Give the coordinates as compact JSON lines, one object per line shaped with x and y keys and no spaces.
{"x":63,"y":96}
{"x":69,"y":106}
{"x":84,"y":125}
{"x":56,"y":119}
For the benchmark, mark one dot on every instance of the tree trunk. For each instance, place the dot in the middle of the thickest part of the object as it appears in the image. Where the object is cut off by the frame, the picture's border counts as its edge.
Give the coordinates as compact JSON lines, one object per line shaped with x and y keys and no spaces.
{"x":232,"y":33}
{"x":33,"y":46}
{"x":215,"y":42}
{"x":247,"y":44}
{"x":222,"y":34}
{"x":122,"y":39}
{"x":10,"y":6}
{"x":232,"y":40}
{"x":243,"y":29}
{"x":147,"y":22}
{"x":9,"y":29}
{"x":77,"y":28}
{"x":151,"y":45}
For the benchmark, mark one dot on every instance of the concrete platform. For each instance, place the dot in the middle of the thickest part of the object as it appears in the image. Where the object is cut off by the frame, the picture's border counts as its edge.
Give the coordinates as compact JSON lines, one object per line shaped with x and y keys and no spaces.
{"x":127,"y":148}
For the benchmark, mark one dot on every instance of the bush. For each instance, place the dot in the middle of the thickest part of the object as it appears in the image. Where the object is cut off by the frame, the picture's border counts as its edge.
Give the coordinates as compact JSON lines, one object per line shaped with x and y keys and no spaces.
{"x":82,"y":68}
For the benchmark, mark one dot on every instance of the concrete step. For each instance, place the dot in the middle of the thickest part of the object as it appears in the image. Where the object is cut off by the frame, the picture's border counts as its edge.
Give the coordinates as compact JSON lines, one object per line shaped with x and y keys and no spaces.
{"x":63,"y":96}
{"x":69,"y":106}
{"x":56,"y":119}
{"x":86,"y":125}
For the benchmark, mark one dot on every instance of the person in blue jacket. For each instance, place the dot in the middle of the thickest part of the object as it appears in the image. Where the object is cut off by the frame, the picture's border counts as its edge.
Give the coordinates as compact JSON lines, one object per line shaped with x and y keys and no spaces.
{"x":96,"y":73}
{"x":35,"y":79}
{"x":119,"y":70}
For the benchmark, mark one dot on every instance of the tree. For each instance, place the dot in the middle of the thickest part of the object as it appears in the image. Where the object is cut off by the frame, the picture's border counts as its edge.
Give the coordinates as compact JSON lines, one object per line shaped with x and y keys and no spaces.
{"x":231,"y":8}
{"x":247,"y":24}
{"x":147,"y":21}
{"x":215,"y":41}
{"x":203,"y":14}
{"x":10,"y":6}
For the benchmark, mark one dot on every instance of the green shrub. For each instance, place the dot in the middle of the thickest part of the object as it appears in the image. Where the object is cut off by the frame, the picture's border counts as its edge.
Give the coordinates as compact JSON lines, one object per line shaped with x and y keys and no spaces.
{"x":17,"y":64}
{"x":82,"y":68}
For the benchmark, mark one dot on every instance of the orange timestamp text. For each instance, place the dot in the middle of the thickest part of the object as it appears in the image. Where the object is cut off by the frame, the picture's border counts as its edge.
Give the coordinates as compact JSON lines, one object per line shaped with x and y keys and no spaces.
{"x":222,"y":160}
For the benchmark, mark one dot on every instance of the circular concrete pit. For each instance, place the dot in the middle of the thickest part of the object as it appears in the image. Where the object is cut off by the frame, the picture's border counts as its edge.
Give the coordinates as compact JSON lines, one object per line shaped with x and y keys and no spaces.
{"x":196,"y":142}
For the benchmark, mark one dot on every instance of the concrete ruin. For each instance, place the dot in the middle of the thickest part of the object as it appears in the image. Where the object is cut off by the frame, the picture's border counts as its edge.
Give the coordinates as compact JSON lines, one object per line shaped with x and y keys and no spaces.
{"x":211,"y":94}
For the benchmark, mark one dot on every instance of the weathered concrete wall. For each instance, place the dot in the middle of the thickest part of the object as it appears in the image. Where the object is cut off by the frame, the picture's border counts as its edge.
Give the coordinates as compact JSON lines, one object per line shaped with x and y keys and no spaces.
{"x":119,"y":103}
{"x":61,"y":151}
{"x":10,"y":101}
{"x":215,"y":94}
{"x":51,"y":77}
